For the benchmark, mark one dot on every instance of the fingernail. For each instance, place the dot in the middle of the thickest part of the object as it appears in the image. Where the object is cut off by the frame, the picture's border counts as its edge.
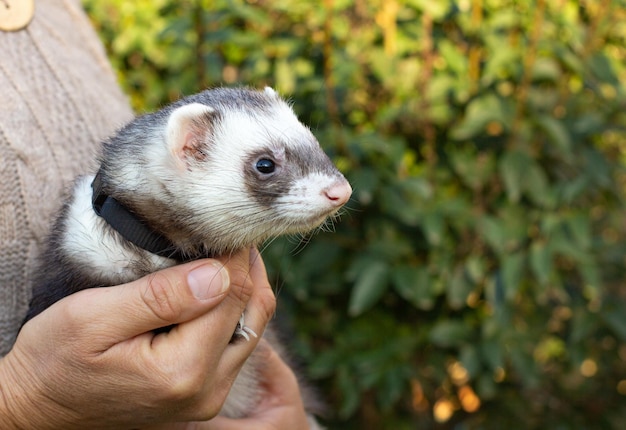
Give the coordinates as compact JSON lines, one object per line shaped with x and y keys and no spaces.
{"x":209,"y":280}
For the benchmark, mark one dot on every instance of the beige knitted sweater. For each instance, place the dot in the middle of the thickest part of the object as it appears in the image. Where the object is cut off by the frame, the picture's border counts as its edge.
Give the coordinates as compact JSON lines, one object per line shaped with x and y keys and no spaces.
{"x":58,"y":98}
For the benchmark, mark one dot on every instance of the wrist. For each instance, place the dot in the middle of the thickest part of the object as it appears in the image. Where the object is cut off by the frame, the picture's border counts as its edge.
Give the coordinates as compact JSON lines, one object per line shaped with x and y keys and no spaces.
{"x":10,"y":415}
{"x":22,"y":406}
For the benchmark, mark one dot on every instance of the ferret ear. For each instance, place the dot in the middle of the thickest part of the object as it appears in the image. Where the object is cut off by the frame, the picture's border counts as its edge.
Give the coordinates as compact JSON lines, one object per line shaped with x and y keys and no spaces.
{"x":270,"y":92}
{"x":188,"y":128}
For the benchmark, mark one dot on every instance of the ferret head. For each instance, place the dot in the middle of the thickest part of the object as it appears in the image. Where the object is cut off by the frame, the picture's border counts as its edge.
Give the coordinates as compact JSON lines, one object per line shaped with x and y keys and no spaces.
{"x":224,"y":169}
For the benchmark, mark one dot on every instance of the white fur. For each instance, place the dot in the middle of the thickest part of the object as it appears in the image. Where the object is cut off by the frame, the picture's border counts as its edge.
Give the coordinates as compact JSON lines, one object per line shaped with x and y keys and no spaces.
{"x":91,"y":243}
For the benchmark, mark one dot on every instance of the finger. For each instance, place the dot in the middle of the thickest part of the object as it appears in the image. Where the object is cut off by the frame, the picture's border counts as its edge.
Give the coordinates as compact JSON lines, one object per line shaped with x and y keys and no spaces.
{"x":276,"y":376}
{"x":236,"y":267}
{"x":281,"y":404}
{"x":260,"y":308}
{"x":167,"y":297}
{"x":206,"y":340}
{"x":201,"y":342}
{"x":213,"y":331}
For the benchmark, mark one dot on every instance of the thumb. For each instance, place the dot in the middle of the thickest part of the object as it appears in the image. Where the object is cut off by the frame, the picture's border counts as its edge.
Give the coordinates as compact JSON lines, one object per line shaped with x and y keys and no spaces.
{"x":170,"y":296}
{"x":281,"y":404}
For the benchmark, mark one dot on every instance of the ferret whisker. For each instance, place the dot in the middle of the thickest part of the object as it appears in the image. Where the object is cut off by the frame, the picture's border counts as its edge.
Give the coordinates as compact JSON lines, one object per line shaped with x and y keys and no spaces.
{"x":266,"y":244}
{"x":302,"y":243}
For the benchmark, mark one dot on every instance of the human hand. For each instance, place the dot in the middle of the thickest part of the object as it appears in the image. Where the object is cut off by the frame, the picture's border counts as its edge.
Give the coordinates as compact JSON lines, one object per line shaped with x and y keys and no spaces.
{"x":93,"y":361}
{"x":281,"y":407}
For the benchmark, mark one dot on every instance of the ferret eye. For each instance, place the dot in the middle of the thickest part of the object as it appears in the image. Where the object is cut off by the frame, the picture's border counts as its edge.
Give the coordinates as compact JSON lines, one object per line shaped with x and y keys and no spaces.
{"x":265,"y":166}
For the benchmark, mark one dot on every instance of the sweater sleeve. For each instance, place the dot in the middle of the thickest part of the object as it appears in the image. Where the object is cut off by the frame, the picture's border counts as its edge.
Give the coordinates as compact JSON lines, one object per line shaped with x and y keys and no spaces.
{"x":58,"y":99}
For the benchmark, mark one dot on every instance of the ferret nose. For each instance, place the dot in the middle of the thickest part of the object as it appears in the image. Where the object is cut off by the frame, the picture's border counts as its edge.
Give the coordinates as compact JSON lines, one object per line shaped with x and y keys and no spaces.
{"x":338,"y":193}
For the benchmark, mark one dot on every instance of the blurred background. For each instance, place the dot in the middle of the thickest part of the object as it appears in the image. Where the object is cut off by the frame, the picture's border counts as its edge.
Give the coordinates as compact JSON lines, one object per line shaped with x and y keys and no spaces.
{"x":477,"y":278}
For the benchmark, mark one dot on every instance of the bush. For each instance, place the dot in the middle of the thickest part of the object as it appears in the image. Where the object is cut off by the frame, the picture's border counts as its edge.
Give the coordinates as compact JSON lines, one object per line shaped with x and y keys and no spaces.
{"x":477,"y":277}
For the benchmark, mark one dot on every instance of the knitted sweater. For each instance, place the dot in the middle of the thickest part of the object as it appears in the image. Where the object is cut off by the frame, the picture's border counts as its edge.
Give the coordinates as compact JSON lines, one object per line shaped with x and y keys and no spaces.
{"x":58,"y":99}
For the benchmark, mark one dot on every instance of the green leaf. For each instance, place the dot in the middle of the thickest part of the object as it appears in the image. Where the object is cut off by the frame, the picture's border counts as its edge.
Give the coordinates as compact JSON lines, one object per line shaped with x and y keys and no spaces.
{"x":501,"y":62}
{"x":541,"y":261}
{"x":413,"y":285}
{"x":453,"y":56}
{"x":433,"y":226}
{"x":512,"y":267}
{"x":504,"y":19}
{"x":579,"y":225}
{"x":614,"y":315}
{"x":550,"y":348}
{"x":436,"y":9}
{"x":449,"y":333}
{"x":416,"y":188}
{"x":364,"y":182}
{"x":458,"y":288}
{"x":351,"y":397}
{"x":602,"y":68}
{"x":558,"y":134}
{"x":370,"y":285}
{"x":486,"y":387}
{"x":492,"y":229}
{"x":524,"y":364}
{"x":492,"y":353}
{"x":471,"y":359}
{"x":592,"y":277}
{"x":513,"y":168}
{"x":475,"y":268}
{"x":479,"y":113}
{"x":474,"y":168}
{"x":583,"y":325}
{"x":571,"y":190}
{"x":537,"y":186}
{"x":546,"y":69}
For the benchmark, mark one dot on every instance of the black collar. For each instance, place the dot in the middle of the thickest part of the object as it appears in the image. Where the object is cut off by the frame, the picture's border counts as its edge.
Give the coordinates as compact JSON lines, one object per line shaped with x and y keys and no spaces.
{"x":129,"y":226}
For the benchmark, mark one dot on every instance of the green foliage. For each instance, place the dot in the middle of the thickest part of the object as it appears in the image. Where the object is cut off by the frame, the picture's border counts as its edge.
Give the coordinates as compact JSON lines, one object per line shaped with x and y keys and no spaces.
{"x":477,"y":278}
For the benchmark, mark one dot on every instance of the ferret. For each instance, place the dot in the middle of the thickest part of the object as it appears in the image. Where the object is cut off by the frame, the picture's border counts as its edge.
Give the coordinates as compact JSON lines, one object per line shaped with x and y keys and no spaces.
{"x":206,"y":176}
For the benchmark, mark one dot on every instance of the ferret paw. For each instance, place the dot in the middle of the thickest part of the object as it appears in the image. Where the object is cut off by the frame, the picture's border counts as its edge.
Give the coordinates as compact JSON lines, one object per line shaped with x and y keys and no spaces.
{"x":243,"y":330}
